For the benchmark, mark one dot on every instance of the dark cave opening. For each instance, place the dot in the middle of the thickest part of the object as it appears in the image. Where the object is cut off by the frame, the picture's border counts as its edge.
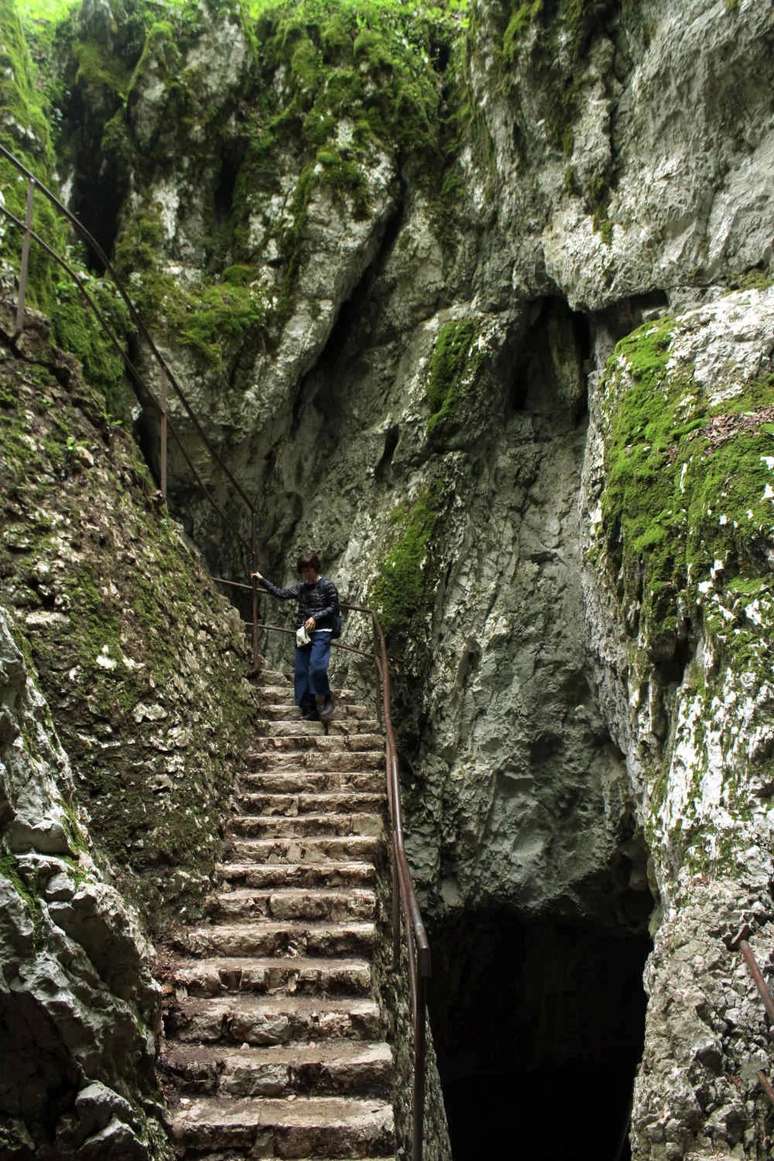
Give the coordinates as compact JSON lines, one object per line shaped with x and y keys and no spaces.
{"x":97,"y":199}
{"x":225,"y":186}
{"x":538,"y":1028}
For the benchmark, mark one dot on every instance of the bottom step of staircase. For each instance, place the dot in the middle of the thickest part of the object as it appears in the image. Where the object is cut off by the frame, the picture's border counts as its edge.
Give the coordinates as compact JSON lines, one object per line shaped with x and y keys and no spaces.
{"x":309,"y":1126}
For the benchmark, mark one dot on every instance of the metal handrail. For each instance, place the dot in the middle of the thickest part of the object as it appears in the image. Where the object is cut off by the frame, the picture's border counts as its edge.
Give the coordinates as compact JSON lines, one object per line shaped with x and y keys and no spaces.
{"x":740,"y":944}
{"x":403,"y":896}
{"x":136,"y":317}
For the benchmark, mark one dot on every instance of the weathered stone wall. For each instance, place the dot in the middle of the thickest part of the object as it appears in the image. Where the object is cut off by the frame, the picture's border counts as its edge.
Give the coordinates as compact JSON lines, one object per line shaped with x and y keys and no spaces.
{"x":140,"y":660}
{"x":678,"y":502}
{"x":78,"y":1003}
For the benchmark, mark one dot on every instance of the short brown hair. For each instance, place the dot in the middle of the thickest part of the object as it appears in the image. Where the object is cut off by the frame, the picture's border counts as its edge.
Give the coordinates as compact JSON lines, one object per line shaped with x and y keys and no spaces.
{"x":308,"y":559}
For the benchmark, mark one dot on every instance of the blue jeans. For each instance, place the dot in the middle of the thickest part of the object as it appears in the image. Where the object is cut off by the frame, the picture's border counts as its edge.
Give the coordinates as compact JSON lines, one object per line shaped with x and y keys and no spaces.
{"x":310,"y":670}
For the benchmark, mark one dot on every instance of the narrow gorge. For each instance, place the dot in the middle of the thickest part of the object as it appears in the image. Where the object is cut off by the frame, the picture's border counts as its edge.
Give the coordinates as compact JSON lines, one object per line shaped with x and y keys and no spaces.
{"x":475,"y":298}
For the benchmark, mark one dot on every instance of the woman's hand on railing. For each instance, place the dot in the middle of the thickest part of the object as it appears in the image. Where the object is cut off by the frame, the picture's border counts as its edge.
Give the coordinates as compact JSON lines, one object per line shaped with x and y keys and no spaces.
{"x":256,"y":576}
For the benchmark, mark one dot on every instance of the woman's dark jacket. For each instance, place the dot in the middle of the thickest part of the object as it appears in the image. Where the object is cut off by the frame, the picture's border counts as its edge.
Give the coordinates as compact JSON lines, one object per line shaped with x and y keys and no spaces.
{"x":319,"y":600}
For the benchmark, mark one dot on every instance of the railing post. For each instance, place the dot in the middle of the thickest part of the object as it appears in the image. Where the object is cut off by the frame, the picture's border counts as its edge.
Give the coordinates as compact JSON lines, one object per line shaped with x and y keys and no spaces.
{"x":420,"y":1051}
{"x":163,"y":435}
{"x":254,"y":584}
{"x":395,"y":910}
{"x":25,"y":258}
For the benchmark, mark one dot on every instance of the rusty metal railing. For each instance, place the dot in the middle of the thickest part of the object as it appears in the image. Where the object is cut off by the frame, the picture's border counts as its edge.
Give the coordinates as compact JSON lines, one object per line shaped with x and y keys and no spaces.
{"x":739,"y":943}
{"x":405,"y":907}
{"x":403,"y":895}
{"x":168,"y":377}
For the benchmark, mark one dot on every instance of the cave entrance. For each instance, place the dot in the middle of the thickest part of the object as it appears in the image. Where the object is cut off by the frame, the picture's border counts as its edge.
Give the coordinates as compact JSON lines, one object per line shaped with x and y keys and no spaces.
{"x":538,"y":1028}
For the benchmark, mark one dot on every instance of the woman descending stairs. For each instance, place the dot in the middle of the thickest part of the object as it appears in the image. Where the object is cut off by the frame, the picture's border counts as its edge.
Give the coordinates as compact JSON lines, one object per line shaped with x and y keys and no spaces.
{"x":274,"y":1040}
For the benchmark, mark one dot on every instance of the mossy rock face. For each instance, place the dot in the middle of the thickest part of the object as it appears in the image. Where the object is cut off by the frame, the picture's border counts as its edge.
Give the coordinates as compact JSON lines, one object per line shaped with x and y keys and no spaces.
{"x":550,"y":41}
{"x":84,"y":990}
{"x":686,"y":537}
{"x":453,"y":366}
{"x":24,"y":130}
{"x":140,"y":660}
{"x":404,"y":584}
{"x":312,"y":98}
{"x":686,"y":500}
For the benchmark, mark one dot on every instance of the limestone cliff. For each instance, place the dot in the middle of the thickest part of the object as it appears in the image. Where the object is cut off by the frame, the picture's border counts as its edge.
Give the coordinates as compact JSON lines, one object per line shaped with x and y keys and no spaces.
{"x":78,"y":1003}
{"x":476,"y":299}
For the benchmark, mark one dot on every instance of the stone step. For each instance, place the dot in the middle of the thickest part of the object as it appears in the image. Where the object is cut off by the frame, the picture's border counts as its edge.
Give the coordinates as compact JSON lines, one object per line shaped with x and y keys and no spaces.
{"x":330,"y":1068}
{"x":264,"y":937}
{"x":273,"y":679}
{"x":332,"y":904}
{"x":316,"y":760}
{"x":289,"y":805}
{"x":295,"y":975}
{"x":308,"y":849}
{"x":247,"y":1020}
{"x":276,"y":825}
{"x":299,"y":728}
{"x":281,"y":693}
{"x":331,"y":874}
{"x":281,"y":711}
{"x":292,"y":781}
{"x":315,"y":739}
{"x":309,"y":1126}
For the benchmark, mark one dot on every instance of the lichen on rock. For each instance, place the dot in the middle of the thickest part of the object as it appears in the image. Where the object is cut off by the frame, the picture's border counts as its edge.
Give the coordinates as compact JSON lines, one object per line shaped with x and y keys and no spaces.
{"x":140,"y":659}
{"x":79,"y":1006}
{"x":683,"y":535}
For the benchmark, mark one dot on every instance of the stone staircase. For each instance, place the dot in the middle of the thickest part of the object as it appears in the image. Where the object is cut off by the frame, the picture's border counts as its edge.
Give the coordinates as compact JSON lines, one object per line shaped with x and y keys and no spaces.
{"x":274,"y":1040}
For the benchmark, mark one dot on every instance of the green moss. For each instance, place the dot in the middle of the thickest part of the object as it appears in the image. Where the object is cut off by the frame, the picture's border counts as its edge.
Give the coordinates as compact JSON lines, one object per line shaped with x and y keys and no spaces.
{"x":75,"y":837}
{"x":454,"y":365}
{"x":523,"y":16}
{"x":95,"y":66}
{"x":219,"y":313}
{"x":9,"y":869}
{"x":685,"y":488}
{"x":77,"y":330}
{"x":24,"y":131}
{"x":401,"y":588}
{"x":752,"y":280}
{"x":598,"y":204}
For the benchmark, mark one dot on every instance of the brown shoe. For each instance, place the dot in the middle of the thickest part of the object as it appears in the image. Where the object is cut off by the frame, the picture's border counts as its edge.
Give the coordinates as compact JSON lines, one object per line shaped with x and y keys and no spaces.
{"x":326,"y":709}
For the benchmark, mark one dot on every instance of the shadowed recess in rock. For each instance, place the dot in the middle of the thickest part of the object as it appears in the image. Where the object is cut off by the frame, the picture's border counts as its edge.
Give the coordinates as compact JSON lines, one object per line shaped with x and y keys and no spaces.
{"x":538,"y":1026}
